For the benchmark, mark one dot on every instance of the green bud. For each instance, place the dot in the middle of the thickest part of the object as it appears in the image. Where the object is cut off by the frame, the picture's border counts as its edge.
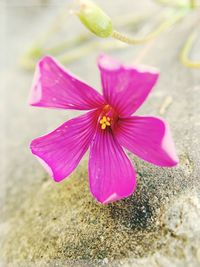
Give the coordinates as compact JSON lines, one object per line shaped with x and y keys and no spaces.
{"x":95,"y":19}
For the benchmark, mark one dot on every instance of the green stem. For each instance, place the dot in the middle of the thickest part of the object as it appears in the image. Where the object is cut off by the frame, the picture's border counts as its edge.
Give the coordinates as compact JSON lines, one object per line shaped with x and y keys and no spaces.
{"x":161,"y":28}
{"x":38,"y":48}
{"x":122,"y":21}
{"x":186,"y":51}
{"x":77,"y":52}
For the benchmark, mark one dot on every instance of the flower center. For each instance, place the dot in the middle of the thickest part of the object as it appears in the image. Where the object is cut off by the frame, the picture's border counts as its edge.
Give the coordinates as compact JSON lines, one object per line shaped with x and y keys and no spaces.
{"x":108,"y":117}
{"x":105,"y":121}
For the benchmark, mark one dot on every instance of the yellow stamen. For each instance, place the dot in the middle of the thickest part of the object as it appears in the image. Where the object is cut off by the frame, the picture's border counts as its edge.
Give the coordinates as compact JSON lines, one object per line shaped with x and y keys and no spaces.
{"x":103,"y":126}
{"x":104,"y":118}
{"x":105,"y":121}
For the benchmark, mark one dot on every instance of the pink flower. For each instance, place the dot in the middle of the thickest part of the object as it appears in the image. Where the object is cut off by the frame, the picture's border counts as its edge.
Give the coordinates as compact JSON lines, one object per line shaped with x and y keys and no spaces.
{"x":106,"y":129}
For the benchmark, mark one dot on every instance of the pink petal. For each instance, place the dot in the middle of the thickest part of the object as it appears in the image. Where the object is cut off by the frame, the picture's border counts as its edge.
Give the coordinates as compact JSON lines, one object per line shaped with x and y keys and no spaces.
{"x":112,"y":176}
{"x":149,"y":138}
{"x":125,"y":88}
{"x":54,"y":87}
{"x":61,"y":150}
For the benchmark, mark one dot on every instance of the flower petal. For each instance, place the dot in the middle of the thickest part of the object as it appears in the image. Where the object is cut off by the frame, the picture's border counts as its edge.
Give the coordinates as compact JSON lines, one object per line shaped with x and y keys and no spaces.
{"x":112,"y":176}
{"x":61,"y":150}
{"x":125,"y":88}
{"x":149,"y":138}
{"x":54,"y":87}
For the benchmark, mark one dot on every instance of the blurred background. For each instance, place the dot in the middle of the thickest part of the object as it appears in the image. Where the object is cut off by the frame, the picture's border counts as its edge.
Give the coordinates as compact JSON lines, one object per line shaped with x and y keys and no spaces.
{"x":43,"y":223}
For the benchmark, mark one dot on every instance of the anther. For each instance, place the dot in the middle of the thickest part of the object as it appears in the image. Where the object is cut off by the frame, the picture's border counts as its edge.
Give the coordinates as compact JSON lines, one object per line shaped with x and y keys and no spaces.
{"x":105,"y":121}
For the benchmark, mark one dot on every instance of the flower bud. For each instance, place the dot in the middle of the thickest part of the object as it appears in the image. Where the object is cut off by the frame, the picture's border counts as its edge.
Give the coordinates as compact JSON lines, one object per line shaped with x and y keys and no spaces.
{"x":95,"y":19}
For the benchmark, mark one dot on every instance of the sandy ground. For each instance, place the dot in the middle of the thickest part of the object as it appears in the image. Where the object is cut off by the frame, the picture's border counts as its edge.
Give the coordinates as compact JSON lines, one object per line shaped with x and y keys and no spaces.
{"x":43,"y":223}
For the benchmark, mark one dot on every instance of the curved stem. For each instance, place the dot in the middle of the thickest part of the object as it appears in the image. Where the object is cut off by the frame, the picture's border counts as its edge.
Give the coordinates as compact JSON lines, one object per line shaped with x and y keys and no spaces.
{"x":39,"y":47}
{"x":76,"y":53}
{"x":186,"y":51}
{"x":161,"y":28}
{"x":122,"y":21}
